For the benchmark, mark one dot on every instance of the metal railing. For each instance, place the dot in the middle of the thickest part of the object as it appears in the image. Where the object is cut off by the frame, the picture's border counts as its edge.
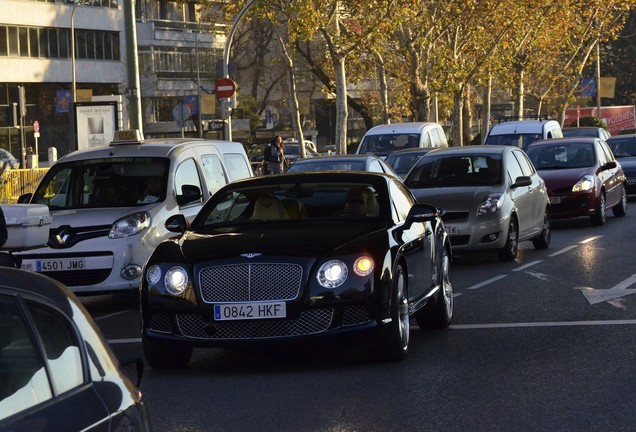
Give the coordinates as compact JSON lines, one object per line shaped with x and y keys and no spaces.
{"x":16,"y":182}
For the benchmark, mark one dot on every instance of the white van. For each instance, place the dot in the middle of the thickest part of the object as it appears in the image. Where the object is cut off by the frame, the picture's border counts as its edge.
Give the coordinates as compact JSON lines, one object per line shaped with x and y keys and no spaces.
{"x":383,"y":139}
{"x":520,"y":133}
{"x":109,"y":205}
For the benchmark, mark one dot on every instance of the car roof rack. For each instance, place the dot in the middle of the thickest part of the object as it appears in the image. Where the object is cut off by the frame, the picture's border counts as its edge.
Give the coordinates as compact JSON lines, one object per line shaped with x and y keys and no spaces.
{"x":525,"y":117}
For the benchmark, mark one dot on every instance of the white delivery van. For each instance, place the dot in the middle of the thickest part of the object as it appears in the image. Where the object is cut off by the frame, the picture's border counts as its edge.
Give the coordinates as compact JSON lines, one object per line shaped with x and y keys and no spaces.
{"x":520,"y":133}
{"x":383,"y":139}
{"x":109,"y":205}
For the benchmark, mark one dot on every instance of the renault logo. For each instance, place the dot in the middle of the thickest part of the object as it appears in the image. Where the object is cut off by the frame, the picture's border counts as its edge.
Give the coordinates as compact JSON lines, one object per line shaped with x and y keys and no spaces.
{"x":63,"y":234}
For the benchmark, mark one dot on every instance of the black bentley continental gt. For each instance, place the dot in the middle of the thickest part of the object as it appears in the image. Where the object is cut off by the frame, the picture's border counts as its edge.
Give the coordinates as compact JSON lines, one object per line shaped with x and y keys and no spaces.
{"x":298,"y":257}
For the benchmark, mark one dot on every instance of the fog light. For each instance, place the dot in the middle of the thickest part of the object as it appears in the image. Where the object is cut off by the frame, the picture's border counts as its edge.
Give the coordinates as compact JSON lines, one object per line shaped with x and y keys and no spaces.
{"x":490,"y":237}
{"x":131,"y":272}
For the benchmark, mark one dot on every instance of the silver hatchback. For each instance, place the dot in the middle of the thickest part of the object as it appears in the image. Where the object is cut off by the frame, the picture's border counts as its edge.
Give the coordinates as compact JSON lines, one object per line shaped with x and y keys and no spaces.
{"x":492,"y":197}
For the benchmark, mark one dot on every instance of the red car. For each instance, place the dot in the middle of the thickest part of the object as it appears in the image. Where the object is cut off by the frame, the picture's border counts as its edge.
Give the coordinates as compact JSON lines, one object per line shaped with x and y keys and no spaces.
{"x":582,"y":176}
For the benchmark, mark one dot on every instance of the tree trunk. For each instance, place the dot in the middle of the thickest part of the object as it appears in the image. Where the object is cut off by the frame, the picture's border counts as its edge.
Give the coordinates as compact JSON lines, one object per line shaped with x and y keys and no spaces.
{"x":342,"y":113}
{"x":467,"y":116}
{"x":384,"y":95}
{"x":519,"y":91}
{"x":297,"y":125}
{"x":457,"y":118}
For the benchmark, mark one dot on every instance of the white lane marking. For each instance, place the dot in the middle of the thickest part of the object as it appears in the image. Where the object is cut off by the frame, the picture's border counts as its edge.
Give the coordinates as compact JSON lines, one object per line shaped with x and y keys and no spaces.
{"x":590,"y":239}
{"x":621,"y":289}
{"x":124,"y":341}
{"x":486,"y":282}
{"x":112,"y":315}
{"x":523,"y":267}
{"x":564,"y":250}
{"x":541,"y":324}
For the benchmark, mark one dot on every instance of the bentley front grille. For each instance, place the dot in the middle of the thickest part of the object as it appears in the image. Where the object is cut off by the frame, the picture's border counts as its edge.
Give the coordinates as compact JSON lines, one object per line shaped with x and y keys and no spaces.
{"x":250,"y":282}
{"x":310,"y":322}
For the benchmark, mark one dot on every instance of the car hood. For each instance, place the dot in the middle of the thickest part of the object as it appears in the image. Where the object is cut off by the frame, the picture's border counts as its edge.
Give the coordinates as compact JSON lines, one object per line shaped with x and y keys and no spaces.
{"x":454,"y":198}
{"x":555,"y":179}
{"x":299,"y":239}
{"x":92,"y":216}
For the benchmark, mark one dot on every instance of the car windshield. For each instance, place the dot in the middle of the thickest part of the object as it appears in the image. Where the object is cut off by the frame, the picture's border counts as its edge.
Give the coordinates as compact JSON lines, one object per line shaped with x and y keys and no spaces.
{"x":623,"y":147}
{"x":455,"y":171}
{"x":515,"y":140}
{"x":386,"y":143}
{"x":290,"y":201}
{"x":117,"y":182}
{"x":551,"y":157}
{"x":328,"y":165}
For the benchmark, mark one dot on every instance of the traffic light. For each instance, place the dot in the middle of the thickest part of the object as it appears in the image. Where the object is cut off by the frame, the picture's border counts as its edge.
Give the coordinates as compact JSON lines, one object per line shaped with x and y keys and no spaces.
{"x":17,"y":95}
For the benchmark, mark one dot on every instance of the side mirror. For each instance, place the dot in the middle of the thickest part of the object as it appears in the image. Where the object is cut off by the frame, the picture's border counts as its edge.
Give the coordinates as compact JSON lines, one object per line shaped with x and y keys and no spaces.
{"x":609,"y":165}
{"x":24,"y":199}
{"x":176,"y":224}
{"x":189,"y":193}
{"x":419,"y":213}
{"x":521,"y":181}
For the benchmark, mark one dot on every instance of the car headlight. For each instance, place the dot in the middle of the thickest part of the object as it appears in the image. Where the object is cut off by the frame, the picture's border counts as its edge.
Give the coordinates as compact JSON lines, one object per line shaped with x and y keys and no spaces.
{"x":584,"y":185}
{"x":130,"y":225}
{"x":363,"y":266}
{"x":176,"y":280}
{"x":491,"y":204}
{"x":332,"y":274}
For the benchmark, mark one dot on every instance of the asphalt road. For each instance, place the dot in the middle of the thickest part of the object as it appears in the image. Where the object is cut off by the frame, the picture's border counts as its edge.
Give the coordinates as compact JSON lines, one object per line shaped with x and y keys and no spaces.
{"x":545,"y":343}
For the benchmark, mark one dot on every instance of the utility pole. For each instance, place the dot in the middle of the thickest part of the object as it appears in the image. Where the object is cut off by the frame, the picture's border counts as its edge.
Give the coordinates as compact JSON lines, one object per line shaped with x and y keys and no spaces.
{"x":132,"y":60}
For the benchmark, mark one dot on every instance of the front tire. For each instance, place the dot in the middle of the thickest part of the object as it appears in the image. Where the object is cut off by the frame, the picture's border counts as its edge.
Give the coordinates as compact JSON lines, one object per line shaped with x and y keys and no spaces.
{"x":620,"y":209}
{"x":441,"y":314}
{"x":394,"y":342}
{"x":600,"y":217}
{"x":543,"y":241}
{"x":161,"y":356}
{"x":511,"y":248}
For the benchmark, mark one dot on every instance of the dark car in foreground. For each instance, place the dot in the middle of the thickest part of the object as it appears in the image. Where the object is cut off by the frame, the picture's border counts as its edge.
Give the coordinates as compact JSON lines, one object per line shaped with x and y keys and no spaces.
{"x":582,"y":176}
{"x":57,"y":372}
{"x":492,"y":197}
{"x":294,"y":258}
{"x":624,"y":150}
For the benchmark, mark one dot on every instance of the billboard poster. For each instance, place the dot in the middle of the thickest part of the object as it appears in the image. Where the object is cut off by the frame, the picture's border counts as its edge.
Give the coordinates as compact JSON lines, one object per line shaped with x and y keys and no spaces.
{"x":96,"y":123}
{"x":616,"y":118}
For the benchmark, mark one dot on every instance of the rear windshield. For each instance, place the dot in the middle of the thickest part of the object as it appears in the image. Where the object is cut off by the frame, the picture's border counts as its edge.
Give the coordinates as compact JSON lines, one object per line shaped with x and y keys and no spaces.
{"x":515,"y":140}
{"x":117,"y":182}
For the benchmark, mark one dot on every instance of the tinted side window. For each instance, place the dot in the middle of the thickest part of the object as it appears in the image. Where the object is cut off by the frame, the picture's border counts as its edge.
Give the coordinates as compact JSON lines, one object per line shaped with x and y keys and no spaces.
{"x":375,"y":166}
{"x":187,"y":174}
{"x":61,"y":347}
{"x":526,"y":165}
{"x":237,"y":166}
{"x":402,"y":201}
{"x":426,"y":140}
{"x":512,"y":167}
{"x":213,"y":172}
{"x":23,"y":380}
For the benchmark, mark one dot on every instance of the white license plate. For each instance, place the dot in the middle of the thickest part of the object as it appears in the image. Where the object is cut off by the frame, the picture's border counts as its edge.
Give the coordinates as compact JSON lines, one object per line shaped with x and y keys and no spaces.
{"x":555,"y":200}
{"x":245,"y":311}
{"x":57,"y":264}
{"x":452,"y":229}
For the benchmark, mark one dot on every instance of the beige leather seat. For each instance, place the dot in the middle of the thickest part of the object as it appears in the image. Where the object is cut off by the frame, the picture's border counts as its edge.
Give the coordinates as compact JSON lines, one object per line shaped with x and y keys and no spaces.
{"x":295,"y":209}
{"x":267,"y":207}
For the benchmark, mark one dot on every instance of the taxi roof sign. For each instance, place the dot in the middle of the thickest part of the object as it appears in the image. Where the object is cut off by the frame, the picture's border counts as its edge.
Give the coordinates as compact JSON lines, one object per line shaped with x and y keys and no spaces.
{"x":132,"y":136}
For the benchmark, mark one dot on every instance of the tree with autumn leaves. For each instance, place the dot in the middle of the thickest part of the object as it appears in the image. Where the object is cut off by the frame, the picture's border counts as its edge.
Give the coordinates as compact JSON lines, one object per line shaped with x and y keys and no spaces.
{"x":422,"y":54}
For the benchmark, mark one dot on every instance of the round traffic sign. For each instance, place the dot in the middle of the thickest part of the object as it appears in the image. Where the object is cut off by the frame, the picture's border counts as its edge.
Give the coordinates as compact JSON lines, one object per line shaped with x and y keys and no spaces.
{"x":224,"y":88}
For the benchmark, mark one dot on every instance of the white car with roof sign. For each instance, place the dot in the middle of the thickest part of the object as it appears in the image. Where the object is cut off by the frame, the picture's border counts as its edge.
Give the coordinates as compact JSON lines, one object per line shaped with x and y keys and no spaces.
{"x":109,"y":205}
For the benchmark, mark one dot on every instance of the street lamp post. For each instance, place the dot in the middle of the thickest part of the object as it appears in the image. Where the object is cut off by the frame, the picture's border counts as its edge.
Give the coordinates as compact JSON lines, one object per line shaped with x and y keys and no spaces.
{"x":74,"y":83}
{"x":226,"y":65}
